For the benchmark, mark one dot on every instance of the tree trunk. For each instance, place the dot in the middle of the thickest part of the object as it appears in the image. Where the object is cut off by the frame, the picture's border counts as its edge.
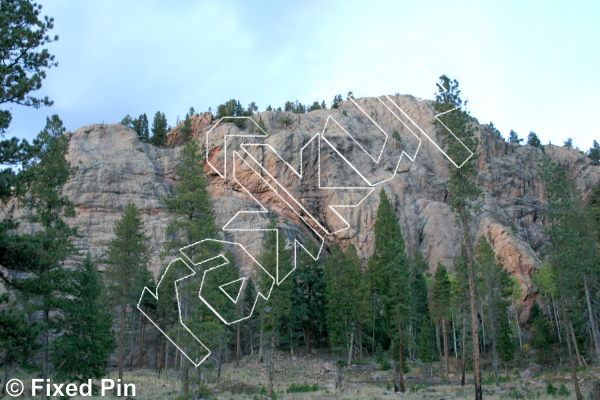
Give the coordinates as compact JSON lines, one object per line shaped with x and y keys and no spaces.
{"x":45,"y":351}
{"x":593,"y":322}
{"x":237,"y":346}
{"x":308,"y":339}
{"x":131,"y":345}
{"x":185,"y":384}
{"x":518,"y":327}
{"x":338,"y":377}
{"x":350,"y":350}
{"x":576,"y":345}
{"x":493,"y":331}
{"x":557,"y":319}
{"x":573,"y":367}
{"x":446,"y":375}
{"x":437,"y":339}
{"x":454,"y":336}
{"x":291,"y":340}
{"x":219,"y":362}
{"x":464,"y":349}
{"x":474,"y":327}
{"x":360,"y":349}
{"x":401,"y":357}
{"x":142,"y":334}
{"x":271,"y":357}
{"x":260,"y":345}
{"x":251,"y":340}
{"x":122,"y":339}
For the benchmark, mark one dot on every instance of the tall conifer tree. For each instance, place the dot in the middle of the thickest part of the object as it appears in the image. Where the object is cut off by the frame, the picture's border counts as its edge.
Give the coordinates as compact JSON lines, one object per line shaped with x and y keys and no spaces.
{"x":463,"y":191}
{"x":126,"y":258}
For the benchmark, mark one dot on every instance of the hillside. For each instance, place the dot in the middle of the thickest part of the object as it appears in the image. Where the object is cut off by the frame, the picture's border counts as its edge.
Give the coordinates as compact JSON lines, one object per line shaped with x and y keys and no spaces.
{"x":115,"y":168}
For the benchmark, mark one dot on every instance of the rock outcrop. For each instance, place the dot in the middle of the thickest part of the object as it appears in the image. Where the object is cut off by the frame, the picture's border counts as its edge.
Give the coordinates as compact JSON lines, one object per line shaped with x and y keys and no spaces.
{"x":115,"y":168}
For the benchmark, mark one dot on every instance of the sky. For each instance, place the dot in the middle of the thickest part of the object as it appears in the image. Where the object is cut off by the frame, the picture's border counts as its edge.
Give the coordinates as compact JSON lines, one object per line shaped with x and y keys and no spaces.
{"x":528,"y":66}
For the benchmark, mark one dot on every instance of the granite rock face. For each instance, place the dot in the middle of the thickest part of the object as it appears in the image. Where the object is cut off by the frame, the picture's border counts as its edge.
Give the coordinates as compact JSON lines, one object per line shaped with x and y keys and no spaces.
{"x":115,"y":168}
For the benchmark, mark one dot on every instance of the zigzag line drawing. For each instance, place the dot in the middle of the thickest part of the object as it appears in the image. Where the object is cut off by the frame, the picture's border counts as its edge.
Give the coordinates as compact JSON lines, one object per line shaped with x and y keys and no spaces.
{"x":244,"y":157}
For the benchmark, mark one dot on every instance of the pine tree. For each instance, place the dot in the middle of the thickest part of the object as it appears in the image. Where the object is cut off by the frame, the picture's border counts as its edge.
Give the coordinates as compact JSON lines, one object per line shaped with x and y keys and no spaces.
{"x":568,"y":143}
{"x":513,"y":137}
{"x":308,"y":294}
{"x":140,"y":125}
{"x":186,"y":130}
{"x":191,"y":205}
{"x":277,"y":309}
{"x":463,"y":191}
{"x":337,"y":100}
{"x":159,"y":130}
{"x":427,"y":350}
{"x":460,"y":297}
{"x":24,"y":64}
{"x":286,"y":121}
{"x":440,"y":305}
{"x":192,"y":209}
{"x":262,"y":126}
{"x":572,"y":243}
{"x":533,"y":140}
{"x":39,"y":258}
{"x":83,"y":350}
{"x":497,"y":286}
{"x":419,"y":308}
{"x":389,"y":273}
{"x":17,"y":336}
{"x":338,"y":303}
{"x":543,"y":339}
{"x":126,"y":258}
{"x":594,"y":152}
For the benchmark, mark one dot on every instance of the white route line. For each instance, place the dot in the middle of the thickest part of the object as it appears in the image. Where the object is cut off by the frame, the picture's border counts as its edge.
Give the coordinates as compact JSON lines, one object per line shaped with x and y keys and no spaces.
{"x":370,"y":187}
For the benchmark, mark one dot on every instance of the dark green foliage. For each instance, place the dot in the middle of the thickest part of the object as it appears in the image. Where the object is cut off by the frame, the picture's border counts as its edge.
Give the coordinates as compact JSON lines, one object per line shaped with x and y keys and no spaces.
{"x":82,"y":351}
{"x":23,"y":66}
{"x":495,"y":131}
{"x":337,"y":100}
{"x":308,"y":293}
{"x":286,"y":121}
{"x":126,"y":258}
{"x":303,"y":388}
{"x":533,"y":140}
{"x":350,"y":94}
{"x":440,"y":293}
{"x":262,"y":126}
{"x":139,"y":125}
{"x":563,"y":391}
{"x":346,"y":296}
{"x":594,"y":152}
{"x":315,"y":106}
{"x":568,"y":143}
{"x":427,"y":342}
{"x":186,"y":130}
{"x":513,"y":137}
{"x":594,"y":204}
{"x":296,"y":108}
{"x":389,"y":273}
{"x":159,"y":130}
{"x":280,"y":301}
{"x":190,"y":203}
{"x":323,"y":105}
{"x":418,"y":288}
{"x":36,"y":260}
{"x":397,"y":137}
{"x":543,"y":339}
{"x":269,"y":108}
{"x":17,"y":335}
{"x":550,"y":389}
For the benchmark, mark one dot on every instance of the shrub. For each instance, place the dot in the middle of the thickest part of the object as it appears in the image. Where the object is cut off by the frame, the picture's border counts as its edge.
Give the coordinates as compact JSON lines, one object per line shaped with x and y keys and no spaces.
{"x":550,"y":389}
{"x":303,"y":388}
{"x":563,"y":390}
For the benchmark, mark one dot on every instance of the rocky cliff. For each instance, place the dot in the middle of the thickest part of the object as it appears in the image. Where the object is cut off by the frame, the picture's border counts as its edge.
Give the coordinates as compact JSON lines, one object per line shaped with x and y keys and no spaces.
{"x":115,"y":168}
